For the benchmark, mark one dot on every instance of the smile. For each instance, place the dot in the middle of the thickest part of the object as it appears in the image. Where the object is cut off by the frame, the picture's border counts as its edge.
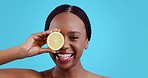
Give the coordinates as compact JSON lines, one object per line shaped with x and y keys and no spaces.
{"x":64,"y":57}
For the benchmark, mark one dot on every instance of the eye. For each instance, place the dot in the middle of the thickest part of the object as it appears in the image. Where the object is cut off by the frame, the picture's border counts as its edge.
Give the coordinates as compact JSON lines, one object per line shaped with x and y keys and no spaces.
{"x":73,"y":37}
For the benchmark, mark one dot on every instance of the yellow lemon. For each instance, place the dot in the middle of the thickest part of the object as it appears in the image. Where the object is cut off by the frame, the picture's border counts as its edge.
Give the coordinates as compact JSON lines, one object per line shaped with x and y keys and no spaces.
{"x":55,"y":40}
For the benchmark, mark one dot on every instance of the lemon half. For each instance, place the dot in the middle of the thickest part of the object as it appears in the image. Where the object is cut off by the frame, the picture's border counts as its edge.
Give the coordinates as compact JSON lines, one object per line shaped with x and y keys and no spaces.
{"x":55,"y":40}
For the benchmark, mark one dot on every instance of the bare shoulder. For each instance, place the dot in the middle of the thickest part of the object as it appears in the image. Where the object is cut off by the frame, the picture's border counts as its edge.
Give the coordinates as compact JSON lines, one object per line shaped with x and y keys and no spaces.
{"x":19,"y":73}
{"x":92,"y":75}
{"x":47,"y":73}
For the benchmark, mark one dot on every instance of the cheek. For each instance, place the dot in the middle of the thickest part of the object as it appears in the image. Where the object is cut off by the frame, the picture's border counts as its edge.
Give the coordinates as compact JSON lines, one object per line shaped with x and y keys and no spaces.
{"x":78,"y":47}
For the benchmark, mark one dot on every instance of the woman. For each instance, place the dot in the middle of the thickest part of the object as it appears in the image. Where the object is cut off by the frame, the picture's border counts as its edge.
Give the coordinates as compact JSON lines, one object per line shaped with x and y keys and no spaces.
{"x":74,"y":24}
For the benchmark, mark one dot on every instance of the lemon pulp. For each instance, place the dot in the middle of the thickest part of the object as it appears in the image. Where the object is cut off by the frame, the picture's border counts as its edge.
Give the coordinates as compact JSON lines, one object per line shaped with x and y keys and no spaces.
{"x":55,"y":40}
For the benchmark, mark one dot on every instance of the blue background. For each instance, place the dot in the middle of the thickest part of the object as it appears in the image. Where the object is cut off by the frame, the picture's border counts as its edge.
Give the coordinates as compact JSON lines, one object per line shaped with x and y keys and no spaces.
{"x":119,"y":44}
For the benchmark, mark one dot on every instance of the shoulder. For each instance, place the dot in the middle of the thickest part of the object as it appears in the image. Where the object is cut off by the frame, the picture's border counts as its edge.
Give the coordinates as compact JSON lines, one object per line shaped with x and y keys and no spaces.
{"x":92,"y":75}
{"x":97,"y":76}
{"x":19,"y":73}
{"x":47,"y":73}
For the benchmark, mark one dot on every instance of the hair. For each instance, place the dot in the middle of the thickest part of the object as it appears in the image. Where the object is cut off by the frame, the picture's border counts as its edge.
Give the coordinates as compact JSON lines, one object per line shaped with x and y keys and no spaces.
{"x":72,"y":9}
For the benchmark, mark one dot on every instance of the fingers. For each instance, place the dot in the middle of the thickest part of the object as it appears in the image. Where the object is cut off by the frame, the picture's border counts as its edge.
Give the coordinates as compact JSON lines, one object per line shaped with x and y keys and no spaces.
{"x":43,"y":35}
{"x":43,"y":50}
{"x":46,"y":33}
{"x":40,"y":39}
{"x":50,"y":31}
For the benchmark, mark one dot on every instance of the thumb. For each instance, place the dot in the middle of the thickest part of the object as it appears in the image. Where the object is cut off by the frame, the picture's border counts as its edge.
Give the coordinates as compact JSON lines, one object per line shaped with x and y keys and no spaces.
{"x":45,"y":50}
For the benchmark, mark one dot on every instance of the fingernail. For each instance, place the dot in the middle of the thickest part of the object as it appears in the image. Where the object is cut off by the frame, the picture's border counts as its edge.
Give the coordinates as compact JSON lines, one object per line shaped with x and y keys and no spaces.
{"x":54,"y":51}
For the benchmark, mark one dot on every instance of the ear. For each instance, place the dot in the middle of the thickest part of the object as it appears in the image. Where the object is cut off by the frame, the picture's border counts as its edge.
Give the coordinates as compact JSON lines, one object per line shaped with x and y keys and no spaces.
{"x":86,"y":44}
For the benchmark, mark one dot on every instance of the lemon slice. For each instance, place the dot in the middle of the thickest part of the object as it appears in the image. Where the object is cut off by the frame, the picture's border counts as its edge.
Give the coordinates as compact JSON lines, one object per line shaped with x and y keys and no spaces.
{"x":55,"y":40}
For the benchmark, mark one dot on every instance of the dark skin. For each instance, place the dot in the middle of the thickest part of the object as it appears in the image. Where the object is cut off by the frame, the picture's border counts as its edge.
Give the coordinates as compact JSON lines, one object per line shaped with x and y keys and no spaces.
{"x":75,"y":41}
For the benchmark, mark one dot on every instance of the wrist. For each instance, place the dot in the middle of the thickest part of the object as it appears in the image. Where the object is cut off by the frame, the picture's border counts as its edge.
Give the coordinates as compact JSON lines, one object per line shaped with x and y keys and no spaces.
{"x":21,"y":52}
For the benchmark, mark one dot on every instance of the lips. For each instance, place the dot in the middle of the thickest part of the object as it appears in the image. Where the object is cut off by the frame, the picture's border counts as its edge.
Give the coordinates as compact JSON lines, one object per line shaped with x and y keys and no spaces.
{"x":64,"y":57}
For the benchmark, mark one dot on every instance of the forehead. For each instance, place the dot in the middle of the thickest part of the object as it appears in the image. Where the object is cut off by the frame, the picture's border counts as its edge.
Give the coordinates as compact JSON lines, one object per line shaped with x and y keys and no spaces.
{"x":67,"y":21}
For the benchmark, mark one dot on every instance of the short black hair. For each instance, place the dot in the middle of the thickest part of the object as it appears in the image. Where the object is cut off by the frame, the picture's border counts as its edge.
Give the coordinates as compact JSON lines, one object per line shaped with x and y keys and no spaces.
{"x":72,"y":9}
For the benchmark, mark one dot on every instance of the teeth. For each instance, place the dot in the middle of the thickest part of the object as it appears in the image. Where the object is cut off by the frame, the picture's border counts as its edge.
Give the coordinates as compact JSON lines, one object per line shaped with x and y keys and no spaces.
{"x":64,"y":55}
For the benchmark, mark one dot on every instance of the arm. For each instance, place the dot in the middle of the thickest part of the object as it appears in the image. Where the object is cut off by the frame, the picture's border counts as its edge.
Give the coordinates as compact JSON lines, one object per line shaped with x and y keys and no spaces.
{"x":19,"y":73}
{"x":10,"y":54}
{"x":32,"y":46}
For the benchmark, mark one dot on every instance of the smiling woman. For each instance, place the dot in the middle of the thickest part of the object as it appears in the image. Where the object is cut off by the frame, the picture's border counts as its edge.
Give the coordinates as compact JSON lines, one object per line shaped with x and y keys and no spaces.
{"x":74,"y":25}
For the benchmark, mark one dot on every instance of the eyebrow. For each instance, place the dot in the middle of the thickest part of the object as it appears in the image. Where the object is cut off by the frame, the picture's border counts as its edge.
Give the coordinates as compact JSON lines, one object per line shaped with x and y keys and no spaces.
{"x":74,"y":32}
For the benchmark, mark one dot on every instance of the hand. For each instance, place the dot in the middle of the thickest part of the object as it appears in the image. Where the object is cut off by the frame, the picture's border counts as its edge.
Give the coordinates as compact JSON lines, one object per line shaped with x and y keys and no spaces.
{"x":33,"y":45}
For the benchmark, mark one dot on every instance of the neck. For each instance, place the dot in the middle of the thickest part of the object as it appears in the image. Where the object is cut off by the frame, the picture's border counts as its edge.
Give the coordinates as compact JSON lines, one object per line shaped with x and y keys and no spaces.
{"x":75,"y":71}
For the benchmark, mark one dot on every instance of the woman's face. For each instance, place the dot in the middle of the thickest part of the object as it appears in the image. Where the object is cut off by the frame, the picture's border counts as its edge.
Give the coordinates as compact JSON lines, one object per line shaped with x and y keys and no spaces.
{"x":75,"y":40}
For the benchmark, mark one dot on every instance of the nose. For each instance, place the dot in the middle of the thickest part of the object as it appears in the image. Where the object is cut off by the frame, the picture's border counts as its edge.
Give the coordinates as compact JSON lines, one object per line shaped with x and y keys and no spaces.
{"x":66,"y":44}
